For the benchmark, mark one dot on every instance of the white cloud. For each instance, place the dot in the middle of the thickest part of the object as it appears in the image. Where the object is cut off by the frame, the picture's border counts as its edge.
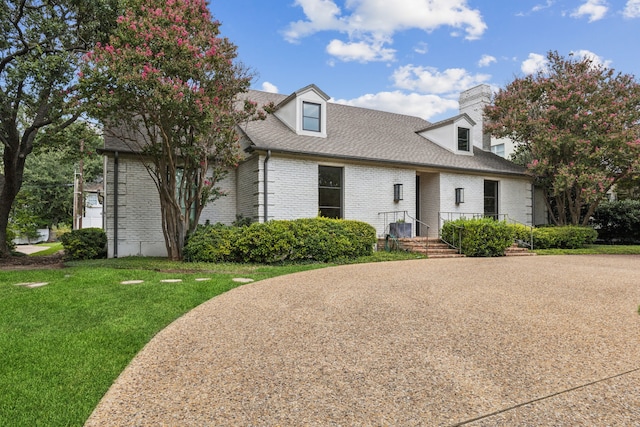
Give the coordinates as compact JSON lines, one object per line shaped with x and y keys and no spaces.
{"x":363,"y":20}
{"x":486,"y":60}
{"x":360,"y":51}
{"x":422,"y":48}
{"x":632,"y":9}
{"x":595,"y":59}
{"x":431,"y":80}
{"x":539,"y":7}
{"x":594,"y":9}
{"x":413,"y":104}
{"x":534,"y":63}
{"x":269,"y":87}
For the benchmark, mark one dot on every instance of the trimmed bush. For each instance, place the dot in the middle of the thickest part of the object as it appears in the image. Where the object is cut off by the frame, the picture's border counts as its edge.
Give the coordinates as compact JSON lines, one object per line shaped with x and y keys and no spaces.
{"x":313,"y":239}
{"x":565,"y":237}
{"x":211,"y":243}
{"x":481,"y":237}
{"x":87,"y":243}
{"x":618,"y":221}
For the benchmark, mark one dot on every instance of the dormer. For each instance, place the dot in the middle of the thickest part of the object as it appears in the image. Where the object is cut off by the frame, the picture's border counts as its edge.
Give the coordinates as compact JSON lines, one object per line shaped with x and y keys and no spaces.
{"x":455,"y":134}
{"x":305,"y":111}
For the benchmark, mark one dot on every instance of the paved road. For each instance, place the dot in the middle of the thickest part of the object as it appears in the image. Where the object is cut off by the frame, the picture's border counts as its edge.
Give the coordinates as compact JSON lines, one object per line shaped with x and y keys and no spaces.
{"x":529,"y":341}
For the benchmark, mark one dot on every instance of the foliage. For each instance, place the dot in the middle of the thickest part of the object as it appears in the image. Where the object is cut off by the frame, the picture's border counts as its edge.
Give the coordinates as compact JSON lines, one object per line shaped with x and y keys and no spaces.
{"x":47,"y":191}
{"x":579,"y":124}
{"x":521,"y":232}
{"x":566,"y":237}
{"x":86,"y":243}
{"x":59,"y":230}
{"x":480,"y":237}
{"x":41,"y":43}
{"x":172,"y":83}
{"x":618,"y":221}
{"x":317,"y":239}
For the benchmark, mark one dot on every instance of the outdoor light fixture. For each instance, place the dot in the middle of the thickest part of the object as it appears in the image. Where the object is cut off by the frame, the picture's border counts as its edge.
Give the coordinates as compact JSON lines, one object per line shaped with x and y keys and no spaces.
{"x":397,"y":192}
{"x":459,"y":195}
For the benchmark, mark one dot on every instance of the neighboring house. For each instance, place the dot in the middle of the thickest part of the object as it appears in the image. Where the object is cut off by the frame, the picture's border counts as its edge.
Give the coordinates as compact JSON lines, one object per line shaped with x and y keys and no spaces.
{"x":92,"y":214}
{"x":314,"y":157}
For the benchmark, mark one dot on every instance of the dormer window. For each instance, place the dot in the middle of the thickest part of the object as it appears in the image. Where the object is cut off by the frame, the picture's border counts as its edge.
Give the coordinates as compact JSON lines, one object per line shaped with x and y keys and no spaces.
{"x":463,"y":139}
{"x":311,"y":116}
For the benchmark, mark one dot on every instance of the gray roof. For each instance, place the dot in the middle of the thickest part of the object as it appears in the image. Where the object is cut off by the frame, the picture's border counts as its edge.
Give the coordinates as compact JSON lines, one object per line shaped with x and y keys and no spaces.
{"x":353,"y":133}
{"x":363,"y":134}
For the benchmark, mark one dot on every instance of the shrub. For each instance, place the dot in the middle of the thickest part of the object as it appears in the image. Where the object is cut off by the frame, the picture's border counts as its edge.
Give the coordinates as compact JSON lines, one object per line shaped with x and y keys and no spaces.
{"x":317,"y":239}
{"x":211,"y":243}
{"x":87,"y":243}
{"x":565,"y":237}
{"x":618,"y":221}
{"x":481,"y":237}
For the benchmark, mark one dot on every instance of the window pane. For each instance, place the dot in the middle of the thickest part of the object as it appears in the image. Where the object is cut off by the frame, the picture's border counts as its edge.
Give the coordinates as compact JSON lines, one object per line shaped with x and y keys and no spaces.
{"x":311,"y":116}
{"x":311,"y":110}
{"x":463,"y":139}
{"x":309,"y":123}
{"x":330,"y":213}
{"x":491,"y":198}
{"x":329,"y":176}
{"x":330,"y":197}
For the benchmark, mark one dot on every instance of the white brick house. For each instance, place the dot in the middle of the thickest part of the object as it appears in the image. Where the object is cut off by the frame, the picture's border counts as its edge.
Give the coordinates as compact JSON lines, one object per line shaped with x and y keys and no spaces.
{"x":315,"y":157}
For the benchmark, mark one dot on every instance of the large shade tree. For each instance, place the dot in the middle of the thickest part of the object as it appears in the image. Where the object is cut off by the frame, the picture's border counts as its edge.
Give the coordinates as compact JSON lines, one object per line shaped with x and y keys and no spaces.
{"x":578,"y":124}
{"x":171,"y":85}
{"x":41,"y":45}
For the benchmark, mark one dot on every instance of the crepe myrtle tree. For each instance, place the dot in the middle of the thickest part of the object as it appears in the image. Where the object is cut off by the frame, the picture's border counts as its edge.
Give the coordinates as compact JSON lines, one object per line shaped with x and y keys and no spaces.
{"x":41,"y":45}
{"x":578,"y":126}
{"x":172,"y":83}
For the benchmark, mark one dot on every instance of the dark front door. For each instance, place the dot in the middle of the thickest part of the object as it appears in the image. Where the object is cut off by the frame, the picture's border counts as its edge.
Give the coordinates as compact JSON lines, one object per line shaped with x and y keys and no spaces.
{"x":491,"y":199}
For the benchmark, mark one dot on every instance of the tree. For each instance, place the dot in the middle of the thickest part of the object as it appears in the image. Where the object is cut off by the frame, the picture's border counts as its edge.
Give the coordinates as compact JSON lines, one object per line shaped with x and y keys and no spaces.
{"x":46,"y":196}
{"x":579,"y":124}
{"x":167,"y":78}
{"x":41,"y":42}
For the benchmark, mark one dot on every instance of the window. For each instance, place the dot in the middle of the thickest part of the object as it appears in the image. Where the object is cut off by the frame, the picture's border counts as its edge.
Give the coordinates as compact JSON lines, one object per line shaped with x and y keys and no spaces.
{"x":311,"y":116}
{"x":491,"y":199}
{"x":498,"y":149}
{"x":330,"y":191}
{"x":463,"y":139}
{"x":92,"y":200}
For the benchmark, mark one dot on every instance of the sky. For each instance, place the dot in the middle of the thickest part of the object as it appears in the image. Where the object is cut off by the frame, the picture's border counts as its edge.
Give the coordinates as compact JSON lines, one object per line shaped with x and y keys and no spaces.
{"x":416,"y":56}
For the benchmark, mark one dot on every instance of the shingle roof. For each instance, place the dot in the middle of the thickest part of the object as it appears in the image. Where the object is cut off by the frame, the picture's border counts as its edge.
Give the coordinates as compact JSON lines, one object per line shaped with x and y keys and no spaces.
{"x":369,"y":135}
{"x":354,"y":133}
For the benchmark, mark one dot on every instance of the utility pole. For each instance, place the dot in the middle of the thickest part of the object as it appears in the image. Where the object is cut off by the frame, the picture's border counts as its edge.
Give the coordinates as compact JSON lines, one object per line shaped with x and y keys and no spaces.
{"x":78,"y":191}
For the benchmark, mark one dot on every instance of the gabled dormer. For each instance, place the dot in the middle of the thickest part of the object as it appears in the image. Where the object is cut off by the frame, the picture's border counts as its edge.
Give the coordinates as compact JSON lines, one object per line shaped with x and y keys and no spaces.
{"x":305,"y":111}
{"x":455,"y":134}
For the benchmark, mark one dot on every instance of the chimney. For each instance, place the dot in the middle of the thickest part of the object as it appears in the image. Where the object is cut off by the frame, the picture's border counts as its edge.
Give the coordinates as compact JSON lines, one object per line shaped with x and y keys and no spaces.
{"x":472,"y":101}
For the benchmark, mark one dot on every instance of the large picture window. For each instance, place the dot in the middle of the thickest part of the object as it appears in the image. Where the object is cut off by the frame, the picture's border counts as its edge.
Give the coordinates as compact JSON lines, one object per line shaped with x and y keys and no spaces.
{"x":463,"y":139}
{"x":311,"y":116}
{"x":330,"y":191}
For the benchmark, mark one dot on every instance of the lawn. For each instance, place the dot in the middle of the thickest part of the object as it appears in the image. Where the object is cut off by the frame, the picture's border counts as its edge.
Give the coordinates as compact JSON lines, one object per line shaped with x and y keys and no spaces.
{"x":63,"y":344}
{"x":594,"y":250}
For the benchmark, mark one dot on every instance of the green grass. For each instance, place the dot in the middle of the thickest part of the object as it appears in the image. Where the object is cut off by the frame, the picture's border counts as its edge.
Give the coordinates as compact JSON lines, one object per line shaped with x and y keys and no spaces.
{"x":62,"y":345}
{"x":594,"y":250}
{"x":48,"y":249}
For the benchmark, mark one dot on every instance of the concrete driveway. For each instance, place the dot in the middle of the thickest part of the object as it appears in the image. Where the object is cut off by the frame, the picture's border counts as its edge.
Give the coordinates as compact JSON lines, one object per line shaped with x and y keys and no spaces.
{"x":530,"y":341}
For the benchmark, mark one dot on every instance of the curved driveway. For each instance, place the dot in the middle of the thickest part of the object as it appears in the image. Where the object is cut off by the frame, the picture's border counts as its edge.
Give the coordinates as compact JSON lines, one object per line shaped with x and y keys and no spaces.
{"x":527,"y":341}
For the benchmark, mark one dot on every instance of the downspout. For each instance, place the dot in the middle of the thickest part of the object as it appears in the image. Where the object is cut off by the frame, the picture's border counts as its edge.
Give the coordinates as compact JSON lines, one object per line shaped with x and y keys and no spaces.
{"x":115,"y":205}
{"x":266,"y":186}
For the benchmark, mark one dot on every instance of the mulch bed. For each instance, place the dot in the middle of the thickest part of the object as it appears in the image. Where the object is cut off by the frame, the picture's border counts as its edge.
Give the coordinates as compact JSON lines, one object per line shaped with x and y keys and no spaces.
{"x":31,"y":262}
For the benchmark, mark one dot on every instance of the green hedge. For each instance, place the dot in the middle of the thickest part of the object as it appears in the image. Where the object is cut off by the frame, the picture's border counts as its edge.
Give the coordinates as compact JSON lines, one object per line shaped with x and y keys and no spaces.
{"x":565,"y":237}
{"x":312,"y":239}
{"x":481,"y":237}
{"x":87,"y":243}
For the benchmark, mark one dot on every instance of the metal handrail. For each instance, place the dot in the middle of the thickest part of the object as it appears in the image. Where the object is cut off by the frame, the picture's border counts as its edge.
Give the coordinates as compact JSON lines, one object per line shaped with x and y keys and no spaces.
{"x":403,"y":215}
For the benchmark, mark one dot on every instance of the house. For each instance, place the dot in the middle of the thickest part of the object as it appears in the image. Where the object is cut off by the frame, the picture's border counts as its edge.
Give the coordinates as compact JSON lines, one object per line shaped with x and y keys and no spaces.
{"x":314,"y":157}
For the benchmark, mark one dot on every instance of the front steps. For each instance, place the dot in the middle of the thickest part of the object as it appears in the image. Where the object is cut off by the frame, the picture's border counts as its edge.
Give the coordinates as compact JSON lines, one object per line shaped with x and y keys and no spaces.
{"x":436,"y":248}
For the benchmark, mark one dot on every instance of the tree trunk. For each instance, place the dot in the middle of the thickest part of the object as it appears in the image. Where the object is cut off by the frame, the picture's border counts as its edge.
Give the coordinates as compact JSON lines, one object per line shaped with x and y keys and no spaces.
{"x":13,"y":170}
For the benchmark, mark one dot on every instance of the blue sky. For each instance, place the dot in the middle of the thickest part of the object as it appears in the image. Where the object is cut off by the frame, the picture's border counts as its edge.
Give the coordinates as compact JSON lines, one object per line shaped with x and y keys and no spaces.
{"x":415,"y":56}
